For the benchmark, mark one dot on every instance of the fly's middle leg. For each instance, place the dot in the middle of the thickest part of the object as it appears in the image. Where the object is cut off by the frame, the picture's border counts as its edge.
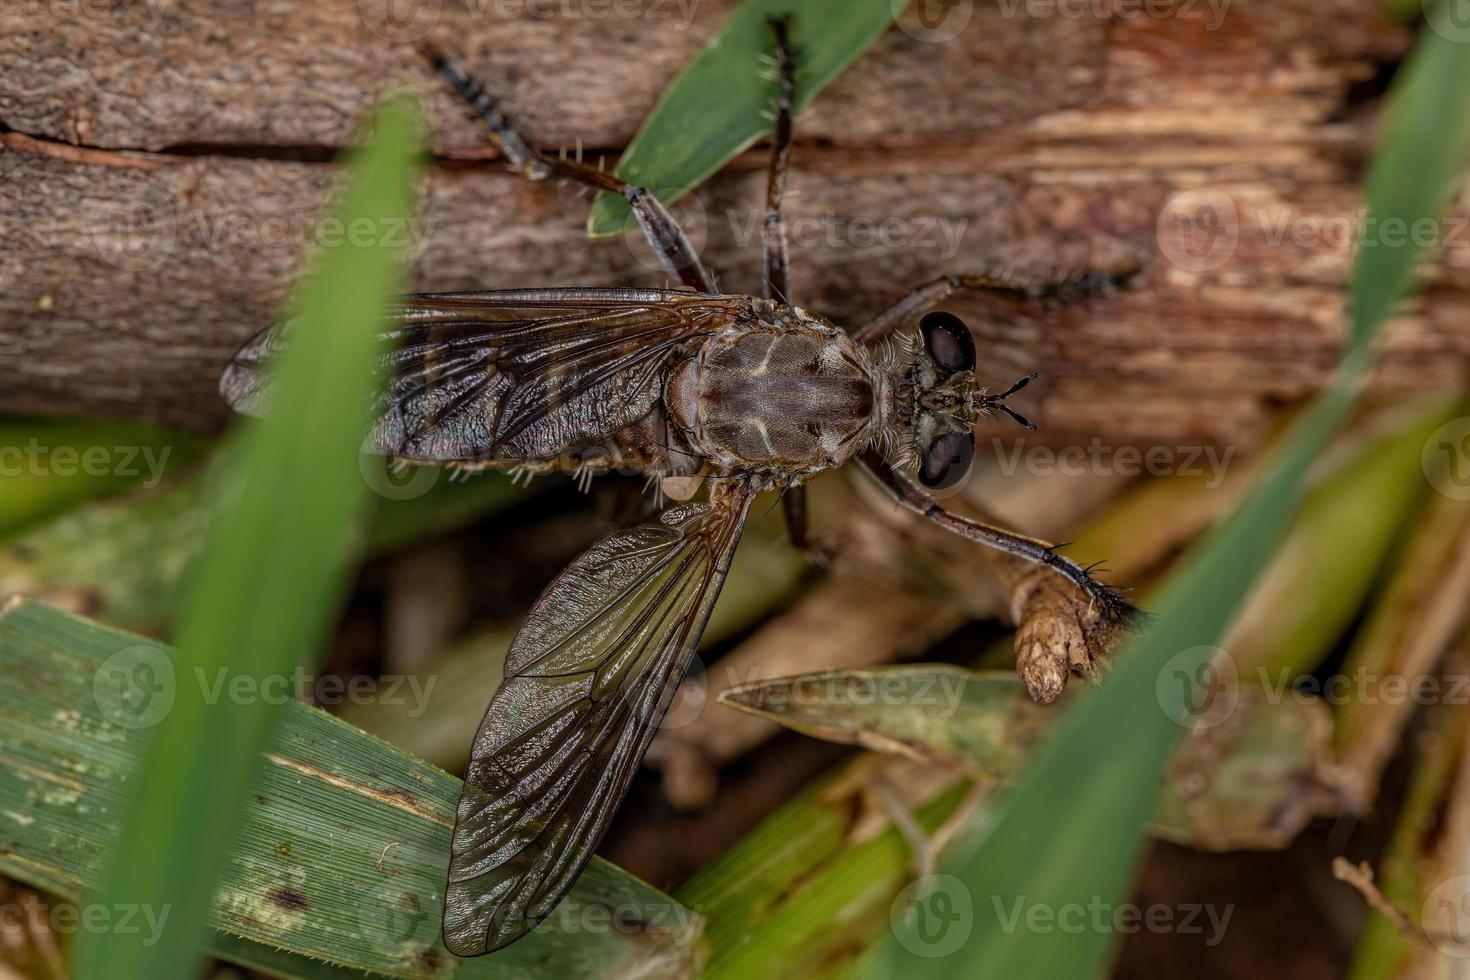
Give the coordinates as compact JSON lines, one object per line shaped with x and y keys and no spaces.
{"x":776,"y":265}
{"x":664,"y":235}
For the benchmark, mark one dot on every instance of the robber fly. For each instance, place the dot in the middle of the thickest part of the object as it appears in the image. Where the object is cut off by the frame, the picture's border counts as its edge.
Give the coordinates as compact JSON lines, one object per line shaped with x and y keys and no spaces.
{"x":750,"y":394}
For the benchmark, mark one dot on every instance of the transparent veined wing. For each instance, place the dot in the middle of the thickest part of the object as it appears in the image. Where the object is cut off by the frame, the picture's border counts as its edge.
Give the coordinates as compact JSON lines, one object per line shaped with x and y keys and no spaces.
{"x":587,"y":680}
{"x":511,"y":374}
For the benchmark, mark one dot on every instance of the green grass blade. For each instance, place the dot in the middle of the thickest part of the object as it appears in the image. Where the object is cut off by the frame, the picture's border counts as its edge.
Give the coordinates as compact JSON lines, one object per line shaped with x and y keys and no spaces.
{"x":267,"y":587}
{"x":338,"y":866}
{"x":716,"y":107}
{"x":1426,"y":136}
{"x":1070,"y":836}
{"x":87,"y":558}
{"x":47,"y":467}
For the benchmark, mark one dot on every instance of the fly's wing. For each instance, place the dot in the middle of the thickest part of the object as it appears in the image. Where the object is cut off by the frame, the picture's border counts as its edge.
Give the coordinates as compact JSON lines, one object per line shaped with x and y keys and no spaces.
{"x":587,"y":680}
{"x":516,"y":374}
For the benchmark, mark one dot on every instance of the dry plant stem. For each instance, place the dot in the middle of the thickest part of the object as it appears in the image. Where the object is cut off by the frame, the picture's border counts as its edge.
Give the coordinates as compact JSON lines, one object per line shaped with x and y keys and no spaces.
{"x":1410,"y":860}
{"x":891,"y":801}
{"x":1087,"y":129}
{"x":1360,"y":876}
{"x":1416,"y":620}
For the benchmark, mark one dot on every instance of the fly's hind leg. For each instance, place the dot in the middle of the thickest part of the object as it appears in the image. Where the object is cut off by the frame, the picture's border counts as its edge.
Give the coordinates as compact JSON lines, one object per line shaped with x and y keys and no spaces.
{"x":663,"y":233}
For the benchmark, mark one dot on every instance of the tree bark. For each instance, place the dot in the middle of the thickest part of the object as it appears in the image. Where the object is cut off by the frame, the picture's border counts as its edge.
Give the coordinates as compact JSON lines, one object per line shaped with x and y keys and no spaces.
{"x":163,"y":171}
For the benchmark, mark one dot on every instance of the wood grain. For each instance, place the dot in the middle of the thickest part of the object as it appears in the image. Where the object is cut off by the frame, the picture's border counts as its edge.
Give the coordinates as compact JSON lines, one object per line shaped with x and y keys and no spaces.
{"x":162,"y":178}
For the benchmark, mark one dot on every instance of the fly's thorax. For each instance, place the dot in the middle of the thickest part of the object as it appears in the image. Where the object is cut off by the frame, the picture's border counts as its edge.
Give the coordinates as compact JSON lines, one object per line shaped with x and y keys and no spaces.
{"x":785,"y":391}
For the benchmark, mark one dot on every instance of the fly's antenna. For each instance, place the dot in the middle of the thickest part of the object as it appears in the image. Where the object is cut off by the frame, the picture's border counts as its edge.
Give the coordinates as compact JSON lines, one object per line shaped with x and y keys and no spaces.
{"x":999,"y":401}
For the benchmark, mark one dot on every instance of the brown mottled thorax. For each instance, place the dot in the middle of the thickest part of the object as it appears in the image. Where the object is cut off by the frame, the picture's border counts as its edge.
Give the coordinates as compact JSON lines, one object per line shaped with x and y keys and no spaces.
{"x":785,"y":392}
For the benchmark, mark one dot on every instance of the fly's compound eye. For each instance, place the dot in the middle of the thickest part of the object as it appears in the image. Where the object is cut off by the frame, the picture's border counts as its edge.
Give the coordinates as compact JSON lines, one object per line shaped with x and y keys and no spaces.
{"x":948,"y":342}
{"x":947,"y":461}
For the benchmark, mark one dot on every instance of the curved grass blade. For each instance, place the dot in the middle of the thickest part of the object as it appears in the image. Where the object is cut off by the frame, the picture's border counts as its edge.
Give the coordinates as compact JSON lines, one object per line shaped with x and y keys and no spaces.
{"x":1071,"y":835}
{"x":338,"y":866}
{"x":717,"y":106}
{"x":265,"y":591}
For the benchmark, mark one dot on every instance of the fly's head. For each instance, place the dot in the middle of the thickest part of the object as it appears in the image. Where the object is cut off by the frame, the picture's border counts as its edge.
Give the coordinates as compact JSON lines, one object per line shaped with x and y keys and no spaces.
{"x":938,"y":401}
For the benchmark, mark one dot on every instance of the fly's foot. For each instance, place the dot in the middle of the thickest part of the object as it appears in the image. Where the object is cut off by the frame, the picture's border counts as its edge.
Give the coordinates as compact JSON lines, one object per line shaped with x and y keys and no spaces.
{"x":1104,"y":599}
{"x":1061,"y":631}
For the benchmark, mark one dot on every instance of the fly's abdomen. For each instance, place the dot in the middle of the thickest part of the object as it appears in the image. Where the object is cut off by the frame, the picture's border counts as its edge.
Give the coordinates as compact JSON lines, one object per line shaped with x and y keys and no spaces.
{"x":792,"y":399}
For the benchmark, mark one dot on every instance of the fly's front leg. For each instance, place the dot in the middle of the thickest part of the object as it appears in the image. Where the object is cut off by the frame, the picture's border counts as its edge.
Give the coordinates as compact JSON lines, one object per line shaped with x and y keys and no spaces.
{"x":1113,"y":607}
{"x":663,"y":233}
{"x":938,"y":290}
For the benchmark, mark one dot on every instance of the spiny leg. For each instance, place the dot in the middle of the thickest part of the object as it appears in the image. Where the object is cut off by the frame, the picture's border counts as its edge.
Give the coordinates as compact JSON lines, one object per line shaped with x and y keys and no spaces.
{"x":938,"y":290}
{"x":776,"y":265}
{"x":659,"y":227}
{"x":1114,"y":608}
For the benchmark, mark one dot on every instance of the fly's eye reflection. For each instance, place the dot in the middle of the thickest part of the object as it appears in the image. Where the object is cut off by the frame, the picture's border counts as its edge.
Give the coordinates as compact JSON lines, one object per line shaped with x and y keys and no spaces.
{"x":948,"y":342}
{"x":947,"y":461}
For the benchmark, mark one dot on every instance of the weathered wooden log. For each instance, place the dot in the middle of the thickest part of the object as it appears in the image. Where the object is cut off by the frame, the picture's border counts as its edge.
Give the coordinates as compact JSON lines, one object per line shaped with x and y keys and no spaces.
{"x":165,"y":167}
